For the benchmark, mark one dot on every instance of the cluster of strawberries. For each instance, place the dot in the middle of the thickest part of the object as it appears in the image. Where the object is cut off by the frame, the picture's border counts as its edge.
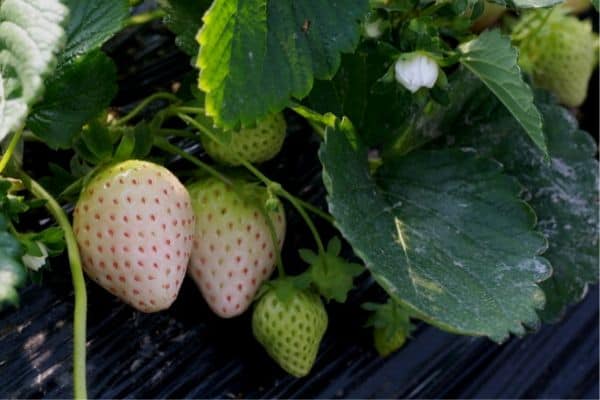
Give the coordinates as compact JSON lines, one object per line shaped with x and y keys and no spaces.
{"x":140,"y":230}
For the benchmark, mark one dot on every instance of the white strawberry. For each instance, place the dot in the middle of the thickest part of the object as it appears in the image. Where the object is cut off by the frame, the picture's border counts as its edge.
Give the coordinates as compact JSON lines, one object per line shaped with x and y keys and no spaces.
{"x":134,"y":225}
{"x":233,"y":250}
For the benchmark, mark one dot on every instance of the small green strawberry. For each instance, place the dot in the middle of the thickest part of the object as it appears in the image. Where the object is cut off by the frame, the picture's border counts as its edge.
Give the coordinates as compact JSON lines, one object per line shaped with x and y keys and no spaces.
{"x":233,"y":250}
{"x":391,"y":326}
{"x":560,"y":53}
{"x":255,"y":144}
{"x":290,"y":329}
{"x":134,"y":225}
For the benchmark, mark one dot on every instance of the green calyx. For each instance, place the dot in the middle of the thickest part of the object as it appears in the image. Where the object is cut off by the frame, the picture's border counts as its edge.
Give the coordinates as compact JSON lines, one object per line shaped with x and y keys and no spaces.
{"x":391,"y":326}
{"x":331,"y":275}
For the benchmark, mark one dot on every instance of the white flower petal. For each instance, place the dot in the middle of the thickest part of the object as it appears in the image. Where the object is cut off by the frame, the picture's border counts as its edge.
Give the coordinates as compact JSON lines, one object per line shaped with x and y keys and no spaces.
{"x":416,"y":72}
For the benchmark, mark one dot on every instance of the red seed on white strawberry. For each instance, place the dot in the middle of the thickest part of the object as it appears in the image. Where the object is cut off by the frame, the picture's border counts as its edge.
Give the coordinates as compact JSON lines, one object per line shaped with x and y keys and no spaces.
{"x":134,"y":225}
{"x":233,"y":251}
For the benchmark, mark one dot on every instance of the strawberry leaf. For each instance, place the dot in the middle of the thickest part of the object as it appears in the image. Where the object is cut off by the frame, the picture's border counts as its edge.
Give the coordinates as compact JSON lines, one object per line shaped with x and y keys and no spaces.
{"x":493,"y":60}
{"x":257,"y":54}
{"x":91,"y":23}
{"x":563,"y":192}
{"x":443,"y":232}
{"x":30,"y":36}
{"x":184,"y":19}
{"x":73,"y":97}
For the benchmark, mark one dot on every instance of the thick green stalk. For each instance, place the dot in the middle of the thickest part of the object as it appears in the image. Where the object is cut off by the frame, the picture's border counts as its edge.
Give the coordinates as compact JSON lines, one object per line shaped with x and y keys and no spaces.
{"x":79,"y":318}
{"x":10,"y":149}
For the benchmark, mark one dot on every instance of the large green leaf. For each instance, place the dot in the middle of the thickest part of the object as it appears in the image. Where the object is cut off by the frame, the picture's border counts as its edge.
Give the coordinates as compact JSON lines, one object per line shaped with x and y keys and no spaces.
{"x":184,"y":18}
{"x":30,"y":35}
{"x":91,"y":23}
{"x":257,"y":54}
{"x":85,"y":80}
{"x":442,"y":231}
{"x":492,"y":58}
{"x":563,"y":192}
{"x":78,"y":92}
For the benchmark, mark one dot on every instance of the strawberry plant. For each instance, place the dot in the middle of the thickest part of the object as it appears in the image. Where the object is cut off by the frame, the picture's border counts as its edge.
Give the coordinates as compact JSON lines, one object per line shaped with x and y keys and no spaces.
{"x":455,"y":178}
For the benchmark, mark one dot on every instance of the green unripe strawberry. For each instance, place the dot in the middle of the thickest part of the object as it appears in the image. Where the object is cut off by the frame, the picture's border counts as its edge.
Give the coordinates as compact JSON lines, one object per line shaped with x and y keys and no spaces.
{"x":388,"y":342}
{"x":290,"y":331}
{"x":391,"y":326}
{"x":560,"y":54}
{"x":255,"y":144}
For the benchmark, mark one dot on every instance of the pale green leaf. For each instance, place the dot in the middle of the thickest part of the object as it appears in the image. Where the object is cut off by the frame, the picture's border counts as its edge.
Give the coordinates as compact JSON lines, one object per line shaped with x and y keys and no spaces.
{"x":255,"y":55}
{"x":492,"y":58}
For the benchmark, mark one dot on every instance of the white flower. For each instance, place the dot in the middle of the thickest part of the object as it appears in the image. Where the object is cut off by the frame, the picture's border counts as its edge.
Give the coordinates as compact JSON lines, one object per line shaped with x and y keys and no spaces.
{"x":374,"y":29}
{"x":415,"y":71}
{"x":34,"y":262}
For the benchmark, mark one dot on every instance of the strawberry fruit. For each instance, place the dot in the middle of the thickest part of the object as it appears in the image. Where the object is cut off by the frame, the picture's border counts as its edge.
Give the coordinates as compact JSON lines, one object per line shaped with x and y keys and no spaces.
{"x":290,"y":331}
{"x":134,"y":225}
{"x":255,"y":144}
{"x":233,"y":251}
{"x":560,"y":55}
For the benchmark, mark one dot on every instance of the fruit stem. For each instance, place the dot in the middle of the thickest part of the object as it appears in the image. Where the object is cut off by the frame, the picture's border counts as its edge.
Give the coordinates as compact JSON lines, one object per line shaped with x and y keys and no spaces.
{"x":79,"y":316}
{"x":517,"y":35}
{"x":143,"y":104}
{"x":274,"y":239}
{"x":273,"y":186}
{"x":143,"y":18}
{"x":10,"y":149}
{"x":164,"y":144}
{"x":188,"y":110}
{"x":315,"y":210}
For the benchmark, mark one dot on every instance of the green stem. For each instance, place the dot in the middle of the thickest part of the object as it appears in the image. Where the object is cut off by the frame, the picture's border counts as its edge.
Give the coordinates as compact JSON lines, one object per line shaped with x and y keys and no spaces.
{"x":164,"y":145}
{"x":273,"y":186}
{"x":169,"y":148}
{"x":317,"y":211}
{"x":144,"y":18}
{"x":10,"y":149}
{"x":188,"y":110}
{"x":143,"y":104}
{"x":79,"y":317}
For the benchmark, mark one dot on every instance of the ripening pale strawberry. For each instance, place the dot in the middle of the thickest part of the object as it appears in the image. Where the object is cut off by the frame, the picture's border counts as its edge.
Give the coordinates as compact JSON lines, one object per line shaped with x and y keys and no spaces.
{"x":291,"y":331}
{"x":255,"y":144}
{"x":233,"y":251}
{"x":561,"y":55}
{"x":134,"y":225}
